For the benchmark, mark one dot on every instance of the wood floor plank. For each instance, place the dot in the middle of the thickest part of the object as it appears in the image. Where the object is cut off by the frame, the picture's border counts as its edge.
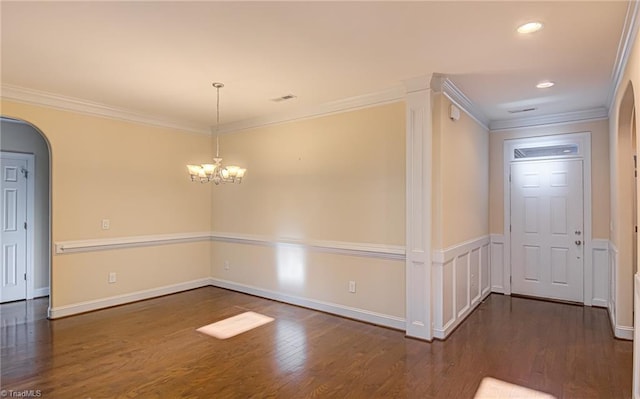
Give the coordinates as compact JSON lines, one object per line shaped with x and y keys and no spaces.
{"x":151,"y":349}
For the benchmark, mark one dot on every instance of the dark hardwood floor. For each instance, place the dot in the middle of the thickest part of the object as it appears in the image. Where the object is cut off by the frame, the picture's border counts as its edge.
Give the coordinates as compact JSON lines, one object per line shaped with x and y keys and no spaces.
{"x":150,"y":349}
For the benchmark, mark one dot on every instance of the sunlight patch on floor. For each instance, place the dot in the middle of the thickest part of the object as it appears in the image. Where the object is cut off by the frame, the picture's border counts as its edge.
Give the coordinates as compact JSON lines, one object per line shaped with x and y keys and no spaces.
{"x":235,"y":325}
{"x":491,"y":388}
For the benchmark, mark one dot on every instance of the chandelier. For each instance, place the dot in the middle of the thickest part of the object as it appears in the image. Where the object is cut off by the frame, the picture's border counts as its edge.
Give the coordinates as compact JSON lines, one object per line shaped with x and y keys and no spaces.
{"x":216,"y":172}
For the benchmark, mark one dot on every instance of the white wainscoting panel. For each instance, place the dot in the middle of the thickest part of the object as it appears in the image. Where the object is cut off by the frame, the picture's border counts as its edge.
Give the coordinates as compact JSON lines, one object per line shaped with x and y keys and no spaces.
{"x":613,"y":266}
{"x":619,"y":331}
{"x":600,"y":289}
{"x":461,"y":280}
{"x":497,"y":264}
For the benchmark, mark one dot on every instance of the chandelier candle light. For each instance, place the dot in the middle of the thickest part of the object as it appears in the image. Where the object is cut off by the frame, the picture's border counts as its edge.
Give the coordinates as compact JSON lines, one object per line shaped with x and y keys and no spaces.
{"x":216,"y":172}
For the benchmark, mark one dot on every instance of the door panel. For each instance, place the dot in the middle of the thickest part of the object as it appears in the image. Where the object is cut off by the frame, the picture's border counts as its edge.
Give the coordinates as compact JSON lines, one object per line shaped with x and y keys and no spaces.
{"x":546,"y":229}
{"x":13,"y":215}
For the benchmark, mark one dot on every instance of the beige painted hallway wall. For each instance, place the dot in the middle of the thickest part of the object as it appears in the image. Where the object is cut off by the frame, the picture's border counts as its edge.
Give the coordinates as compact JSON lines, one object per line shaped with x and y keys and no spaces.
{"x":460,"y":177}
{"x":135,"y":176}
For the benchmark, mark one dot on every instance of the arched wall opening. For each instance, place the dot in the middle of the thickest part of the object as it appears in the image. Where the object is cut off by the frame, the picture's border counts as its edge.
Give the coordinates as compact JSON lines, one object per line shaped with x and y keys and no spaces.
{"x":626,"y":216}
{"x":19,"y":136}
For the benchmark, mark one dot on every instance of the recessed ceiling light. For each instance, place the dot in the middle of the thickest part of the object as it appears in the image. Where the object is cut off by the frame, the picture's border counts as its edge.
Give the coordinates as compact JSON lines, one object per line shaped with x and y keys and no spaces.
{"x":545,"y":85}
{"x":530,"y":27}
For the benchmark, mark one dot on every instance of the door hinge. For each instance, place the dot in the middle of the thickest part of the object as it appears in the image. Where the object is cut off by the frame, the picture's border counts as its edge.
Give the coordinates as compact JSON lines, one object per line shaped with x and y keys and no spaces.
{"x":509,"y":178}
{"x":25,"y":225}
{"x":25,"y":277}
{"x":25,"y":173}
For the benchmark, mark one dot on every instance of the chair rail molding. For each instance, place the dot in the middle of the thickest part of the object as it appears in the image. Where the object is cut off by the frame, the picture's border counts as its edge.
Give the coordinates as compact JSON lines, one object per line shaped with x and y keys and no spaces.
{"x":370,"y":250}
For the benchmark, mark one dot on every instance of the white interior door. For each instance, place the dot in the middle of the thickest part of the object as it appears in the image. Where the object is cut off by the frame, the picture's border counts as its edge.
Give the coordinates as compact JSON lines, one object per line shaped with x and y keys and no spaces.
{"x":13,"y":204}
{"x":547,"y":229}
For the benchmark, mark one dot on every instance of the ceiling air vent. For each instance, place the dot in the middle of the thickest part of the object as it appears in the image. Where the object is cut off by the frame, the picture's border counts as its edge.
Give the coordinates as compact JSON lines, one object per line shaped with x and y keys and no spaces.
{"x":517,"y":111}
{"x":284,"y":98}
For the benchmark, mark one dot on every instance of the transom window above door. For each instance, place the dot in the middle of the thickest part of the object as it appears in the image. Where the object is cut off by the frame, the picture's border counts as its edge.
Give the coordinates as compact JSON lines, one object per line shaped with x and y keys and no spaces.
{"x":562,"y":150}
{"x":546,"y":147}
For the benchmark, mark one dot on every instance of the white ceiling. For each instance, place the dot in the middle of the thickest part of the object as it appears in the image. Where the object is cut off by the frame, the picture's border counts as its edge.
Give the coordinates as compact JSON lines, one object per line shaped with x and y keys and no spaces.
{"x":160,"y":58}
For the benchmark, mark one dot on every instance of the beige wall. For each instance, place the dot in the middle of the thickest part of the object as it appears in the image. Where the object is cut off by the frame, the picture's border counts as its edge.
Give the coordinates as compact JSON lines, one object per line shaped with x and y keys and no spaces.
{"x":461,"y":177}
{"x":599,"y":170}
{"x":621,"y":192}
{"x":339,"y":178}
{"x":135,"y":176}
{"x":314,"y":275}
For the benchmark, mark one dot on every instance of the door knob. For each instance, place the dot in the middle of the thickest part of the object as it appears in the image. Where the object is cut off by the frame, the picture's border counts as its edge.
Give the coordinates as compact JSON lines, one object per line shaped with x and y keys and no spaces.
{"x":578,"y":242}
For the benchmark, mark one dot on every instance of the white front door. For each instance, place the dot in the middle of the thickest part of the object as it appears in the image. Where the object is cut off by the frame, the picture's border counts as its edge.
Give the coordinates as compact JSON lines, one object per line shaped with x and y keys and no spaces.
{"x":13,"y":206}
{"x":547,"y":229}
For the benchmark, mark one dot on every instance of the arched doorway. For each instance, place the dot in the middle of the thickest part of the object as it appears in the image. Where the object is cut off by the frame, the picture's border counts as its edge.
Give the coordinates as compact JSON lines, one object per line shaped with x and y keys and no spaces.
{"x":625,"y":212}
{"x":21,"y":138}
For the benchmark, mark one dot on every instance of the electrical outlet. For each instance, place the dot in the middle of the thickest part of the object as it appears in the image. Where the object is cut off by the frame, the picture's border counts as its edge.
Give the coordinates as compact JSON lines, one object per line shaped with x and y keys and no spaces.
{"x":226,"y":265}
{"x":106,"y":224}
{"x":112,"y":277}
{"x":352,"y":286}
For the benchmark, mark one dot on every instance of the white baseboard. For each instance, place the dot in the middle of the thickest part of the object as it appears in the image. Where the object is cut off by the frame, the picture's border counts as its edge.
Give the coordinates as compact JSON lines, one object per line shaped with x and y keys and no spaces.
{"x":340,"y":310}
{"x":82,"y":307}
{"x":601,"y":303}
{"x":40,"y":292}
{"x":623,"y":332}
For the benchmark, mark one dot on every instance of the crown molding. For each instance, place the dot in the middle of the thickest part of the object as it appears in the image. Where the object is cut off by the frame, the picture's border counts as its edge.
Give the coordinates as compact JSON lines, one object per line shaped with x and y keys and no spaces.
{"x":627,"y":39}
{"x":564,"y":117}
{"x":388,"y":96}
{"x":420,"y":83}
{"x":42,"y":98}
{"x":456,"y":96}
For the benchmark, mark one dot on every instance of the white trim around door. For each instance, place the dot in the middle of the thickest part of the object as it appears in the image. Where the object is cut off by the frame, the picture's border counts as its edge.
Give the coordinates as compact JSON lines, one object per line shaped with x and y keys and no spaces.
{"x":583,"y":142}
